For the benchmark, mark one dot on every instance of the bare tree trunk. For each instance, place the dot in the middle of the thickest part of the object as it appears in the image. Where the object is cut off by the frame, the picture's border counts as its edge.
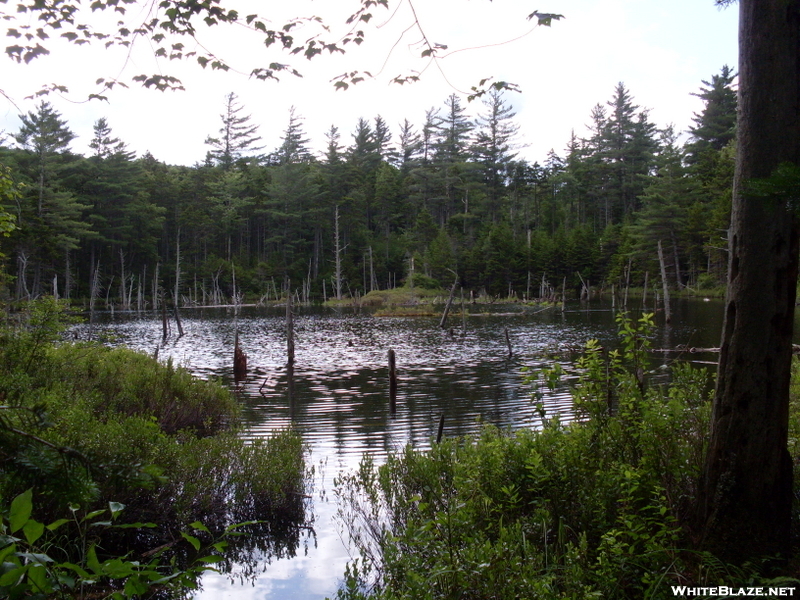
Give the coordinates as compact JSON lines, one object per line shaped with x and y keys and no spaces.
{"x":22,"y":276}
{"x":154,"y":291}
{"x":678,"y":278}
{"x":746,"y":490}
{"x":338,"y":256}
{"x":446,"y":312}
{"x":373,"y":283}
{"x":94,"y":288}
{"x":644,"y":291}
{"x":664,"y":283}
{"x":67,"y":275}
{"x":122,"y":280}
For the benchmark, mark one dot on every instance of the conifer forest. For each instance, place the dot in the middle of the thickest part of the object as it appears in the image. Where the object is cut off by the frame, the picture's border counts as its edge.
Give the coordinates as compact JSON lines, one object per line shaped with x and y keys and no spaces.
{"x":433,"y":199}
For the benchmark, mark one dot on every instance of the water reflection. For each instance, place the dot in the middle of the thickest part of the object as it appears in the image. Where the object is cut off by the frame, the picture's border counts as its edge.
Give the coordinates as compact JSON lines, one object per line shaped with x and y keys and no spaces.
{"x":341,"y":398}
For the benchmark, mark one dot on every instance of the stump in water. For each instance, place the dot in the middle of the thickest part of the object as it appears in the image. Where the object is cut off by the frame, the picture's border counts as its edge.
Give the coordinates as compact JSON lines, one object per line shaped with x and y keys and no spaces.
{"x":449,"y":303}
{"x":239,"y":361}
{"x":392,"y":383}
{"x":290,"y":351}
{"x":164,"y":322}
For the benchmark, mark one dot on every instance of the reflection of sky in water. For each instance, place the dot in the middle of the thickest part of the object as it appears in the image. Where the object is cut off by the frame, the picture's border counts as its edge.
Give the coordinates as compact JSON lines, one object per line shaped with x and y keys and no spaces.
{"x":341,"y":390}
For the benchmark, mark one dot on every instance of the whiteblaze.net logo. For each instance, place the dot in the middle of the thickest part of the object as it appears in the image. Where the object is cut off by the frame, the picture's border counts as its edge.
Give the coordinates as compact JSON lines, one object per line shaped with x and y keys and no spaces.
{"x":729,"y":592}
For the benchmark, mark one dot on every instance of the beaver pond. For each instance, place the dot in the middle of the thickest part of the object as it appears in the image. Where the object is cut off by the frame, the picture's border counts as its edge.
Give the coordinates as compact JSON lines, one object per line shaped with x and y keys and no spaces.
{"x":340,"y":403}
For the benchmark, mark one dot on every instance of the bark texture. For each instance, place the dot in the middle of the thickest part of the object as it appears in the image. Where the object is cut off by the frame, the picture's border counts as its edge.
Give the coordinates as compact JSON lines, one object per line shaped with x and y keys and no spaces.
{"x":746,"y":490}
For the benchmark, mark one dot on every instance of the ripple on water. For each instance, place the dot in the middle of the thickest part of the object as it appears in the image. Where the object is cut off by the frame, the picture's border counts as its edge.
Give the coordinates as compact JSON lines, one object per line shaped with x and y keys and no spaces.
{"x":341,"y":390}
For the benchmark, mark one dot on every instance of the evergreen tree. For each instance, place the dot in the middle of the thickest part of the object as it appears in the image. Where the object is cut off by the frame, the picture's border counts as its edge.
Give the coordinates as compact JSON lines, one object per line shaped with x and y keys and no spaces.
{"x":237,"y":136}
{"x":383,"y":140}
{"x":294,"y":144}
{"x":50,"y":223}
{"x":363,"y":159}
{"x":629,"y":151}
{"x":128,"y":223}
{"x":715,"y":126}
{"x":410,"y":147}
{"x":493,"y":147}
{"x":664,"y":216}
{"x":452,"y":172}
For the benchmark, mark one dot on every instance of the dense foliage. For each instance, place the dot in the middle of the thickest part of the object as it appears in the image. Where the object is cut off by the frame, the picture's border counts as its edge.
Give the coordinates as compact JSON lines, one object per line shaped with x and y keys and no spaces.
{"x":449,"y":194}
{"x":597,"y":508}
{"x":84,"y":427}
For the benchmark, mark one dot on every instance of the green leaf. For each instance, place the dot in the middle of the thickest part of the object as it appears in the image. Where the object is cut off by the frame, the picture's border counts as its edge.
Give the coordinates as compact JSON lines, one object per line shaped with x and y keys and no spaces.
{"x":36,"y":558}
{"x":199,"y":526}
{"x":191,"y":539}
{"x":79,"y":571}
{"x":33,"y":530}
{"x":37,"y":576}
{"x":11,"y":577}
{"x":100,"y":524}
{"x":211,"y":558}
{"x":134,"y":586}
{"x":92,"y":562}
{"x":56,"y":524}
{"x":20,"y":512}
{"x":7,"y":551}
{"x":137,"y":525}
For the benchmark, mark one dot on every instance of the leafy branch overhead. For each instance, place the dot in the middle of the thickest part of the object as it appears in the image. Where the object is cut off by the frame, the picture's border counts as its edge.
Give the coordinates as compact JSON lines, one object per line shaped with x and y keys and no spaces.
{"x":545,"y":19}
{"x":172,"y":30}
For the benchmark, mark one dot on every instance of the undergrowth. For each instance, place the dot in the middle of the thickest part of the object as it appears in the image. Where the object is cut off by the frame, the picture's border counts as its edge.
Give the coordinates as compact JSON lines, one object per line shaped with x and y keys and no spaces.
{"x":82,"y":426}
{"x":589,"y":509}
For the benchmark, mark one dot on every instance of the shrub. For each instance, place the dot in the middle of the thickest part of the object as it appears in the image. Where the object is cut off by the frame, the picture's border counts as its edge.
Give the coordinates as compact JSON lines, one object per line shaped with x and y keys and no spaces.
{"x":82,"y":424}
{"x":585,"y":510}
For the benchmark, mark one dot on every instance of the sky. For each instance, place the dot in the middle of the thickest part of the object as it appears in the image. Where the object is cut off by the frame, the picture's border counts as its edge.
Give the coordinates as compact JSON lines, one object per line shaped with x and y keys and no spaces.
{"x":661,"y":51}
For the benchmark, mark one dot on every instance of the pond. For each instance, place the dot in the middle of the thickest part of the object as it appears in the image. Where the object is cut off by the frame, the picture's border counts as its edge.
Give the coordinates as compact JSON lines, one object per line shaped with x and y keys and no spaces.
{"x":341,"y":406}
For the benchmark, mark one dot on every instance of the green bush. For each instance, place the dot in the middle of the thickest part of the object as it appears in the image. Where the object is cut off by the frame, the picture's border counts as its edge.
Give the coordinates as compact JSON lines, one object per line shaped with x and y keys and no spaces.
{"x":82,"y":424}
{"x":585,"y":510}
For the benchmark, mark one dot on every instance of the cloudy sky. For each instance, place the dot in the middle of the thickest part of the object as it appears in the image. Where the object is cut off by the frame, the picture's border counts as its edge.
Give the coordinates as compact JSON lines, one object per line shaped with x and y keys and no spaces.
{"x":660,"y":50}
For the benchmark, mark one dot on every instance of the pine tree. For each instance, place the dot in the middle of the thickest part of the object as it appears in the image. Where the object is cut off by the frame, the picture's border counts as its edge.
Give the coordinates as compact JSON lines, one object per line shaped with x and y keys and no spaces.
{"x":453,"y":174}
{"x":50,"y":221}
{"x":715,"y":127}
{"x":666,"y":201}
{"x":383,"y":140}
{"x":493,"y":147}
{"x":237,"y":136}
{"x":630,"y":148}
{"x":128,"y":223}
{"x":410,"y":147}
{"x":294,"y":144}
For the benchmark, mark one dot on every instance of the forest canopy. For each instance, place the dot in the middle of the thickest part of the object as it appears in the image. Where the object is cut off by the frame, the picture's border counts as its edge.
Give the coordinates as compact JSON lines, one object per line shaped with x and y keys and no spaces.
{"x":448,"y":194}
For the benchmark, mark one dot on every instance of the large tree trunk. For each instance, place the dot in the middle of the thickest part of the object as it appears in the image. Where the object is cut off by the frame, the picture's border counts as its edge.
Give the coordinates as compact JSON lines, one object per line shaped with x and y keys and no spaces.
{"x":746,"y":490}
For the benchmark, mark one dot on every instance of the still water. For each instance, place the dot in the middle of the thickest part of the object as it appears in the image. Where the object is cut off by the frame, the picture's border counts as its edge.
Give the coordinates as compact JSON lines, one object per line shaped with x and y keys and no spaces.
{"x":341,"y":391}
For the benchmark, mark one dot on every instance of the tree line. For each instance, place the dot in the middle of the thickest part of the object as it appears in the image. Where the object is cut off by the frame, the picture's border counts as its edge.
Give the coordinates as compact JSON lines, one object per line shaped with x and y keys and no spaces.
{"x":376,"y":209}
